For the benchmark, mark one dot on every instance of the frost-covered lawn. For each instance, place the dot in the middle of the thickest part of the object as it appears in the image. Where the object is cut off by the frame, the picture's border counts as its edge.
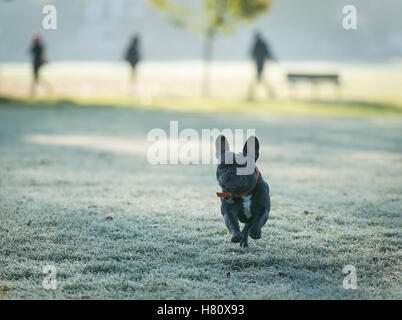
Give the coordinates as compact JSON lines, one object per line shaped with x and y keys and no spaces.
{"x":336,"y":186}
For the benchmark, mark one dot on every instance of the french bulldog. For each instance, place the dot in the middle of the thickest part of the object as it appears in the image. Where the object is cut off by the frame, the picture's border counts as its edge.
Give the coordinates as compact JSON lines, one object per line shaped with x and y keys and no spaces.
{"x":245,"y":194}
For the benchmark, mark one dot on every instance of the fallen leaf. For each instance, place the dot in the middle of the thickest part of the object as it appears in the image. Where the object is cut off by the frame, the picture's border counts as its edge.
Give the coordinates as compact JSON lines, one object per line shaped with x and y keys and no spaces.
{"x":335,"y":255}
{"x":159,"y":284}
{"x":29,"y":223}
{"x":109,"y":218}
{"x":317,"y":218}
{"x":307,"y":212}
{"x":281,"y":274}
{"x":4,"y":288}
{"x":49,"y":229}
{"x":2,"y":229}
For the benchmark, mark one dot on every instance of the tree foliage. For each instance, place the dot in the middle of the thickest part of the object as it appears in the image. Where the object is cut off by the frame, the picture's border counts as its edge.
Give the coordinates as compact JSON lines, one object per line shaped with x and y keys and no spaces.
{"x":214,"y":16}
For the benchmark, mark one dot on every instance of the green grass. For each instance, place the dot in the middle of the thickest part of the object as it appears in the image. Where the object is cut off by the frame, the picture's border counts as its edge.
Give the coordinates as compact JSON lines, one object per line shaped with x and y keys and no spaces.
{"x":344,"y":171}
{"x":221,"y":105}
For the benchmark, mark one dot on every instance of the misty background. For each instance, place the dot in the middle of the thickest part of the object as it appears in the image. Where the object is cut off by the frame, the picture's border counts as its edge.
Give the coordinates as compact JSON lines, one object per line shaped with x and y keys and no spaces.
{"x":99,"y":30}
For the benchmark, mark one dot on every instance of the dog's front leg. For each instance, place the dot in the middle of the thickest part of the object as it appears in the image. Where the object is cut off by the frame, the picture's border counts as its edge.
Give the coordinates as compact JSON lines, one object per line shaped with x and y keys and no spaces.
{"x":255,"y":228}
{"x":232,"y":224}
{"x":244,"y":235}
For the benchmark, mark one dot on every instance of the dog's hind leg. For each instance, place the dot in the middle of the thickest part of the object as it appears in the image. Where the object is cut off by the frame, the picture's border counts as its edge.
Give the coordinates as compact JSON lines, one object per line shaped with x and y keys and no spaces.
{"x":255,"y":228}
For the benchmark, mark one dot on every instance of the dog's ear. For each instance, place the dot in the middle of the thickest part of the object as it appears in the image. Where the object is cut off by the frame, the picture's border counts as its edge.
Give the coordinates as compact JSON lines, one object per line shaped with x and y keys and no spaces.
{"x":221,"y":145}
{"x":252,"y":147}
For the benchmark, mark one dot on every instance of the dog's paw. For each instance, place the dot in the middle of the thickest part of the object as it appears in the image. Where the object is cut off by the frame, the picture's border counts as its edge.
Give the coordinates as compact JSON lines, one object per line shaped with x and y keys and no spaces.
{"x":255,"y":235}
{"x":236,"y":238}
{"x":244,"y":243}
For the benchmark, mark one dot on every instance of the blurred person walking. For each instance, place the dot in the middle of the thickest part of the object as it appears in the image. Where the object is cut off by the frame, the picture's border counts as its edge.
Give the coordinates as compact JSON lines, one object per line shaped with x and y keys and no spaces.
{"x":260,"y":53}
{"x":37,"y":51}
{"x":133,"y":55}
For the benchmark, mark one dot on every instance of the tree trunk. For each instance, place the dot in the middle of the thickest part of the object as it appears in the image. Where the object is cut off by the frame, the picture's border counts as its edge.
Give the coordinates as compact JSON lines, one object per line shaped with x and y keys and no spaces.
{"x":207,"y":57}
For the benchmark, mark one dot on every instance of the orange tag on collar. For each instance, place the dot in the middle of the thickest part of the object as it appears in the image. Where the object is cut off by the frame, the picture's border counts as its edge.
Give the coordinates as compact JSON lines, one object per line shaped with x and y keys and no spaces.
{"x":223,"y":194}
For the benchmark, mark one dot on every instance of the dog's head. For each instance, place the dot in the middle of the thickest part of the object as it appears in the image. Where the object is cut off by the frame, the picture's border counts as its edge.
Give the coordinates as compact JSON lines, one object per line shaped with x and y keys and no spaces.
{"x":236,"y":172}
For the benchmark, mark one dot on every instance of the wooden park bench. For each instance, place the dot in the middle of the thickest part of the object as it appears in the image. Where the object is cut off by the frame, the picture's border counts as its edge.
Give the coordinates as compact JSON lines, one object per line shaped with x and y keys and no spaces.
{"x":314,"y":79}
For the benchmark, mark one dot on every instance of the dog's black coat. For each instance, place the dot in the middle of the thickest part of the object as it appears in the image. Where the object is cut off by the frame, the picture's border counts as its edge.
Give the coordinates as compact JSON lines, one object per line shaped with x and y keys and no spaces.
{"x":256,"y":190}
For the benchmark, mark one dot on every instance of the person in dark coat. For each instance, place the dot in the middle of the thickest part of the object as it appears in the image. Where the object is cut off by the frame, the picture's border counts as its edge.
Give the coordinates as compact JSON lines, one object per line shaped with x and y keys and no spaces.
{"x":260,"y":53}
{"x":37,"y":52}
{"x":133,"y":55}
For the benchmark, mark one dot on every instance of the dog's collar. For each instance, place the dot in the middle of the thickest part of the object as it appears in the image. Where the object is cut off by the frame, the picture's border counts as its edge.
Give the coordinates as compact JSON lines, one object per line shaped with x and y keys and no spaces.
{"x":232,"y":195}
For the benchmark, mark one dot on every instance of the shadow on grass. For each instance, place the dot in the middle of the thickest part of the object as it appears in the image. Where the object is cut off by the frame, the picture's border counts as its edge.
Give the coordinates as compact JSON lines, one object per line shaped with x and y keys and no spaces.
{"x":332,"y":134}
{"x":377,"y":106}
{"x":7,"y":100}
